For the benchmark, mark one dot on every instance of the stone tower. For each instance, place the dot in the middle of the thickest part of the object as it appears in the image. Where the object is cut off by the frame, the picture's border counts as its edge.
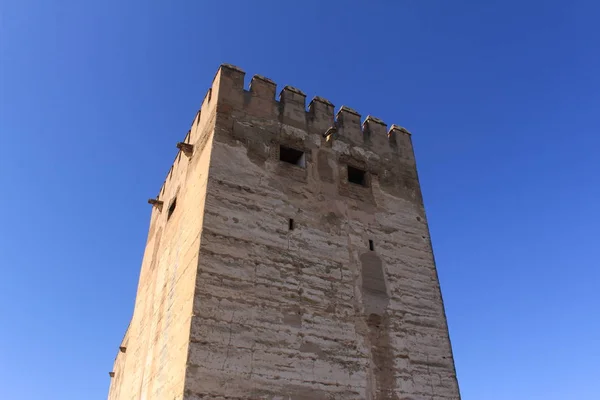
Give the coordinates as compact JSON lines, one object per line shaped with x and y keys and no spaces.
{"x":288,"y":258}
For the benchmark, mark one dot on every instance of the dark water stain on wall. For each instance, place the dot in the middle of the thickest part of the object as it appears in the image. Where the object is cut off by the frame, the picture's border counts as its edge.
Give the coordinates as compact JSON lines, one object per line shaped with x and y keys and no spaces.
{"x":375,"y":302}
{"x":323,"y":167}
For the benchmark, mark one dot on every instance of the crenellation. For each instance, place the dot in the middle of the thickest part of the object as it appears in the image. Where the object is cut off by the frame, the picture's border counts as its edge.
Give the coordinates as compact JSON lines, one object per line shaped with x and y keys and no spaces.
{"x":196,"y":120}
{"x":228,"y":87}
{"x":292,"y":105}
{"x":204,"y":106}
{"x":188,"y":135}
{"x":263,"y":87}
{"x":349,"y":127}
{"x":259,"y":102}
{"x":376,"y":135}
{"x":401,"y":141}
{"x":321,"y":115}
{"x":374,"y":120}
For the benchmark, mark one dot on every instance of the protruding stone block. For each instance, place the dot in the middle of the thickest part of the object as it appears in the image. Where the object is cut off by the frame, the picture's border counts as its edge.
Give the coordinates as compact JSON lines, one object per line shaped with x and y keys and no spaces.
{"x":186,"y":148}
{"x":156,"y":203}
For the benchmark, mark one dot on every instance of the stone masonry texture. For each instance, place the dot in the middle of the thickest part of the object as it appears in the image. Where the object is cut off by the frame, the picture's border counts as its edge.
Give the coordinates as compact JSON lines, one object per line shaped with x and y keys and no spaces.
{"x":265,"y":279}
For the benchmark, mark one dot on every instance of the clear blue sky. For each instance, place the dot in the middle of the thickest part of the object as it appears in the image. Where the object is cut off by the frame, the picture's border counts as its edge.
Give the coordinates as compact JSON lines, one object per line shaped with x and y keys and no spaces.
{"x":503,"y":100}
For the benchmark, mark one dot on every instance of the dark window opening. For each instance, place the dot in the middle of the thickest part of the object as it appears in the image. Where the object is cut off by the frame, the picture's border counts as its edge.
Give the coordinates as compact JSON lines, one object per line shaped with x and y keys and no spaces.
{"x":292,"y":156}
{"x":291,"y":225}
{"x":357,"y":176}
{"x":371,"y":245}
{"x":172,"y":208}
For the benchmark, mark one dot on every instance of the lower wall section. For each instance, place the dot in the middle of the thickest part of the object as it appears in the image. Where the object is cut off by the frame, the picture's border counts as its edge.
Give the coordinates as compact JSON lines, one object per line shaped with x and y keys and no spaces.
{"x":270,"y":324}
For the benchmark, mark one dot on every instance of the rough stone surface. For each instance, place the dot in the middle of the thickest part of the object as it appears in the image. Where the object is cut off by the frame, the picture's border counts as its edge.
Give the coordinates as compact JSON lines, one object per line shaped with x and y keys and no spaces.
{"x":234,"y":304}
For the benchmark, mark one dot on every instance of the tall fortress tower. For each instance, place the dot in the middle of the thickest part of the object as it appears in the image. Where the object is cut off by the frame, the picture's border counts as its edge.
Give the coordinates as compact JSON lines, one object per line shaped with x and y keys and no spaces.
{"x":288,"y":258}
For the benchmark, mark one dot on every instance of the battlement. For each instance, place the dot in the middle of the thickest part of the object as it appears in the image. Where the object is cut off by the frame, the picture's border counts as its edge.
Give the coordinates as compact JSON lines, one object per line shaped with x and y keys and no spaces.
{"x":273,"y":115}
{"x":260,"y":101}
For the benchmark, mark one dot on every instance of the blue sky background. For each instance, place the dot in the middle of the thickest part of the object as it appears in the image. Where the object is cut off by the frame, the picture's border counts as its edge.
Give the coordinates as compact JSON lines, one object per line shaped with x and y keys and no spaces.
{"x":503,"y":101}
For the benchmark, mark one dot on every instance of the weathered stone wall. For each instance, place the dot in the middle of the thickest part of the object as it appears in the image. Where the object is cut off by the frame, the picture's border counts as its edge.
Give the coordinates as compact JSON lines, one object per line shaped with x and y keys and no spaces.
{"x":235,"y":304}
{"x":153,"y":365}
{"x":313,"y":313}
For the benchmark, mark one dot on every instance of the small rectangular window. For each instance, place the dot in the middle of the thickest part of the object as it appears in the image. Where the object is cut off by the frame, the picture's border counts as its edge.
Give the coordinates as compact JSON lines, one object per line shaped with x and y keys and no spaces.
{"x":292,"y":156}
{"x":357,"y":176}
{"x":371,"y":247}
{"x":291,"y":224}
{"x":172,"y":208}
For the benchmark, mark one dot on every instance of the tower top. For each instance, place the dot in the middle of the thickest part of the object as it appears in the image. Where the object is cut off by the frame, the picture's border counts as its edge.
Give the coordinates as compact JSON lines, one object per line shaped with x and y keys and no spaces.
{"x":260,"y":100}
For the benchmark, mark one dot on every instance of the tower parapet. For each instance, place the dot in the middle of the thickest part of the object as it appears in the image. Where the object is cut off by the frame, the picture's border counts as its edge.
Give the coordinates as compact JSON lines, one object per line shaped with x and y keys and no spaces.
{"x":369,"y":142}
{"x":259,"y":102}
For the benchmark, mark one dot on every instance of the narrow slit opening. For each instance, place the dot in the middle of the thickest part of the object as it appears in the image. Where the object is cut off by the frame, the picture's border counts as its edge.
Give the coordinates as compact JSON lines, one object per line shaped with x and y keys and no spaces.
{"x":172,"y":208}
{"x":291,"y":224}
{"x":371,"y":247}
